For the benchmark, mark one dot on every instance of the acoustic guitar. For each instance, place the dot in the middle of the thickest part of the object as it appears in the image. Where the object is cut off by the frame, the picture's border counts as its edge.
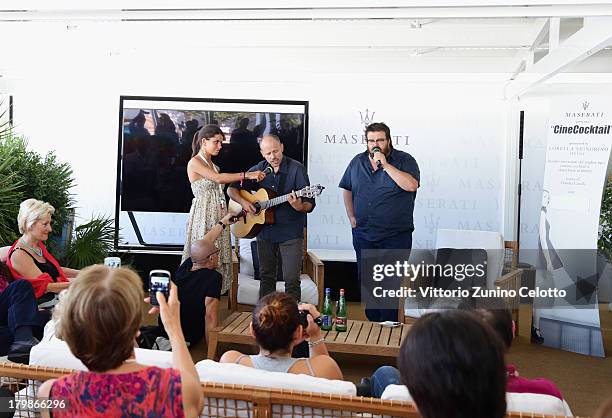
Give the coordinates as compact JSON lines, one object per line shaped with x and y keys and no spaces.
{"x":249,"y":225}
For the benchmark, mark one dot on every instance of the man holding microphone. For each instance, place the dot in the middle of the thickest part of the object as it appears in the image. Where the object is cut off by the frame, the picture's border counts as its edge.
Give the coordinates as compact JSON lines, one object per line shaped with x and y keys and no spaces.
{"x":380,"y":187}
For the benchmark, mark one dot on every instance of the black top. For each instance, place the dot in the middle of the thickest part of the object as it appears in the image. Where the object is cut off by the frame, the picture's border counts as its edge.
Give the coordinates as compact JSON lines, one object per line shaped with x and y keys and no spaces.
{"x":193,"y":288}
{"x":46,"y":267}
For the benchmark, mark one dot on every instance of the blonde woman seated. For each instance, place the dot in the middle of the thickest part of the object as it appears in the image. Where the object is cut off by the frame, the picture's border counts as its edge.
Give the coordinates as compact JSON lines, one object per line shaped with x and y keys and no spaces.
{"x":277,"y":329}
{"x":99,"y":317}
{"x":28,"y":257}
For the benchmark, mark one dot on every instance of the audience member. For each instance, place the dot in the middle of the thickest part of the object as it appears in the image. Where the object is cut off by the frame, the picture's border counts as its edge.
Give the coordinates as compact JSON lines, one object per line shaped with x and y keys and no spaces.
{"x":453,"y":366}
{"x":199,"y":285}
{"x":33,"y":262}
{"x":103,"y":339}
{"x":496,"y":313}
{"x":20,"y":319}
{"x":277,"y":330}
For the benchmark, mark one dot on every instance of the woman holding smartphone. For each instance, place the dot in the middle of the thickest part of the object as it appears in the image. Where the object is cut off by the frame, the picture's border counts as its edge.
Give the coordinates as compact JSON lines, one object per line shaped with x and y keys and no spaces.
{"x":103,"y":339}
{"x":208,"y":205}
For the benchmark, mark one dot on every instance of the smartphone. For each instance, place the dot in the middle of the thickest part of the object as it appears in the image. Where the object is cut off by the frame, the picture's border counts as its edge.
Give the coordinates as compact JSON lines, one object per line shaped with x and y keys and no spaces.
{"x":390,"y":324}
{"x":159,"y":281}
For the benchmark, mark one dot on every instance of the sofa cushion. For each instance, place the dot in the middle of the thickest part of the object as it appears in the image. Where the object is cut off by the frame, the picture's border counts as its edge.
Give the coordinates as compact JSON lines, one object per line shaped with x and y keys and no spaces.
{"x":516,"y":402}
{"x":248,"y":289}
{"x":211,"y":371}
{"x":53,"y":352}
{"x":246,"y":257}
{"x":255,"y":258}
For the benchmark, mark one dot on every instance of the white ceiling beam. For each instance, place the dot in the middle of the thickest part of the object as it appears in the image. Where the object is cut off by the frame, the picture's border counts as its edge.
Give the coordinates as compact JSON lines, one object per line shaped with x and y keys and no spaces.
{"x":525,"y":59}
{"x":271,"y":4}
{"x":205,"y":12}
{"x":505,"y":36}
{"x":594,"y":36}
{"x":553,"y":33}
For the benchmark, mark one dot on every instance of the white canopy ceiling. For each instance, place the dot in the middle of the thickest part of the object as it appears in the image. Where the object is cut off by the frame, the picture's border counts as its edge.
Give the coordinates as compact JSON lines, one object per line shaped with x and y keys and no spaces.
{"x":527,"y":42}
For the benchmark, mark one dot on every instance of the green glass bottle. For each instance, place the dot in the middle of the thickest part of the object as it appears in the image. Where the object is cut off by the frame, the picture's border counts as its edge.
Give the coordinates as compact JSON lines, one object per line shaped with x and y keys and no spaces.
{"x":341,"y":313}
{"x":327,"y":314}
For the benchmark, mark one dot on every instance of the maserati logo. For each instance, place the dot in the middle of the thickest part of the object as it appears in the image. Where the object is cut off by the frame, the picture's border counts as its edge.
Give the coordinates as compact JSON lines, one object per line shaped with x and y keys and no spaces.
{"x":366,"y":118}
{"x":585,"y":105}
{"x":431,"y":223}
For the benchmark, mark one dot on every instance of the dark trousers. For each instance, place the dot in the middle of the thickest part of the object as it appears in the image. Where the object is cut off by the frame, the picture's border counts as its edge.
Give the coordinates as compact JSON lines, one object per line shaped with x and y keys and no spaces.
{"x":18,"y":308}
{"x":400,"y":241}
{"x":291,"y":252}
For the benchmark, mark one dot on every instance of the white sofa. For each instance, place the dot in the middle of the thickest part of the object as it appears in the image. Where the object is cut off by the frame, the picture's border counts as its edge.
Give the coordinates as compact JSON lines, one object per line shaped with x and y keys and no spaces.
{"x":52,"y":352}
{"x":245,"y":289}
{"x":532,"y":403}
{"x":55,"y":353}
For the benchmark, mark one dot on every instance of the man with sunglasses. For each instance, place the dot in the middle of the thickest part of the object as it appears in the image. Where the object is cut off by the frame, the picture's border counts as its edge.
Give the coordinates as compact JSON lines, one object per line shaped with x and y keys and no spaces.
{"x":199,"y":284}
{"x":380,"y":187}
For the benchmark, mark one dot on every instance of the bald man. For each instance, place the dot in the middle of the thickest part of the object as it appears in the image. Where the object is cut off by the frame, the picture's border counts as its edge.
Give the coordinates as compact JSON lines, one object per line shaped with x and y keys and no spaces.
{"x":285,"y":237}
{"x":199,"y":285}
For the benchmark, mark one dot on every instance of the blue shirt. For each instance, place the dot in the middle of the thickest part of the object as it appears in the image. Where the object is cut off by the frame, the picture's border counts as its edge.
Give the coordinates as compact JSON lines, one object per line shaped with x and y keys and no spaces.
{"x":288,"y":222}
{"x":382,"y":208}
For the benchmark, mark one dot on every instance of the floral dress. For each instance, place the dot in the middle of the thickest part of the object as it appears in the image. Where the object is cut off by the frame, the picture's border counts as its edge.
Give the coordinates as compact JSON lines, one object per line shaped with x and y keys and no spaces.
{"x":207,"y":208}
{"x":150,"y":392}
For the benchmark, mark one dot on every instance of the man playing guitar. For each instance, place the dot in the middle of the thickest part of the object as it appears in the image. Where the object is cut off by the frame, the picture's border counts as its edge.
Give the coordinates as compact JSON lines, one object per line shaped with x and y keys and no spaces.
{"x":284,"y":237}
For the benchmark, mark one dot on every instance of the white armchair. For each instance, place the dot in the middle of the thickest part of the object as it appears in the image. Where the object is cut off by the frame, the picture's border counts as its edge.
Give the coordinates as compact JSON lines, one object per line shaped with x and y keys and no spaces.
{"x":493,"y":244}
{"x":244,"y":290}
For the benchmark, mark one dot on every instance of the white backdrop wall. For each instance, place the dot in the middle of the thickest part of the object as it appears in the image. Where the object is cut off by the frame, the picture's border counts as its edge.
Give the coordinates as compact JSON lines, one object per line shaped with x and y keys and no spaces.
{"x":454,"y":130}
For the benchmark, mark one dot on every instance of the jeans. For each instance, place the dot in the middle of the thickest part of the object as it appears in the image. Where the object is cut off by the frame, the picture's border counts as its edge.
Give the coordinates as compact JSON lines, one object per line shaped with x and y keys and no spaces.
{"x":383,"y":377}
{"x":291,"y":252}
{"x":400,"y":241}
{"x":18,"y":308}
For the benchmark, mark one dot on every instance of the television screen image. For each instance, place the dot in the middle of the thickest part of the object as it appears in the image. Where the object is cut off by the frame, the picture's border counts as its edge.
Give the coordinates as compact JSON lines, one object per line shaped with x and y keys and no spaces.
{"x":155,"y":144}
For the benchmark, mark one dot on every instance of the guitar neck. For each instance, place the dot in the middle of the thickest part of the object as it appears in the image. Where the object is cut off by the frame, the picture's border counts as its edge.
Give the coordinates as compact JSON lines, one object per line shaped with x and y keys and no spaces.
{"x":278,"y":200}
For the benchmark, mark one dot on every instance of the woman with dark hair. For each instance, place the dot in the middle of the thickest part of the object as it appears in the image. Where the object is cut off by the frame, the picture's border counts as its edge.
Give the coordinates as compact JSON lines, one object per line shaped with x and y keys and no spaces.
{"x":208,"y":205}
{"x":277,"y":328}
{"x":453,"y":365}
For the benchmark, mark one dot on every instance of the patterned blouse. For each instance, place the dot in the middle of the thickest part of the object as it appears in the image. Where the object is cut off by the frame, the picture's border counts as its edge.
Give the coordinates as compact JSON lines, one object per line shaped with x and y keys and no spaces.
{"x":150,"y":392}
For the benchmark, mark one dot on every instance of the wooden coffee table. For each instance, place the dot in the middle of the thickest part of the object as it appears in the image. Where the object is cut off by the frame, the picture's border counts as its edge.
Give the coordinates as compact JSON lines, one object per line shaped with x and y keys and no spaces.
{"x":361,"y":337}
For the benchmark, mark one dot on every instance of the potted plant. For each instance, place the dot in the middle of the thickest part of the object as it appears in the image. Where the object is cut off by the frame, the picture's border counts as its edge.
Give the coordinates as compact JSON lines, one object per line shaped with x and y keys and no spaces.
{"x":24,"y":174}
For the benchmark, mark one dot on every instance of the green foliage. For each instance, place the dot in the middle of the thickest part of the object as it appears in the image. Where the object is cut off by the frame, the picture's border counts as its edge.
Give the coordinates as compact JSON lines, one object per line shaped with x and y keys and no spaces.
{"x":10,"y":185}
{"x":605,"y":222}
{"x":92,"y":241}
{"x":34,"y":176}
{"x":26,"y":174}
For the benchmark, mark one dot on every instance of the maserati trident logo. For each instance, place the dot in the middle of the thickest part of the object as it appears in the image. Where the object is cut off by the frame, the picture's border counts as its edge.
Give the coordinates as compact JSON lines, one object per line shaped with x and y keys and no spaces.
{"x":432,"y":222}
{"x":585,"y":105}
{"x":366,"y":118}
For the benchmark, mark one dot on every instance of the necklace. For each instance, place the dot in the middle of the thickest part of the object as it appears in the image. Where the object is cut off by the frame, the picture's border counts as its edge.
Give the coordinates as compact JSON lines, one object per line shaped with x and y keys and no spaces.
{"x":38,"y":252}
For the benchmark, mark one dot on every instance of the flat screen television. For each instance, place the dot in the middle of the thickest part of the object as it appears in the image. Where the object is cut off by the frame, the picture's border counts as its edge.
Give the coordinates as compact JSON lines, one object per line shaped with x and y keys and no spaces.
{"x":155,"y":144}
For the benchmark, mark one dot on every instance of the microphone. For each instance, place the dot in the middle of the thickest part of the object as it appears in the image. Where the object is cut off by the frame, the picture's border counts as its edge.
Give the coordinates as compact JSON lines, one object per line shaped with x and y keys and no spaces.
{"x":268,"y":170}
{"x":378,"y":163}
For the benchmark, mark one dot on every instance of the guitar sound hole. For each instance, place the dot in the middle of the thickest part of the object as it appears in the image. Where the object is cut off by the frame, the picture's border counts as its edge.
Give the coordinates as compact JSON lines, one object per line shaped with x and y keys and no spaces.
{"x":257,"y":207}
